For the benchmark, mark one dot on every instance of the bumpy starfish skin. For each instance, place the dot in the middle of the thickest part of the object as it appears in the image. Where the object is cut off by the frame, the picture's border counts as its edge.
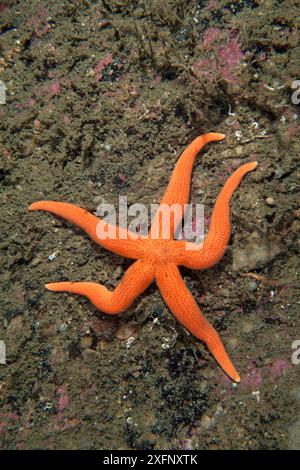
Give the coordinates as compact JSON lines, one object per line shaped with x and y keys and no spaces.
{"x":158,"y":259}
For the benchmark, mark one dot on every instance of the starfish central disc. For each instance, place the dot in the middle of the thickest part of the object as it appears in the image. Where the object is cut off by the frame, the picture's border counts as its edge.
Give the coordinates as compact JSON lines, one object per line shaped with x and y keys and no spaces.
{"x":159,"y":252}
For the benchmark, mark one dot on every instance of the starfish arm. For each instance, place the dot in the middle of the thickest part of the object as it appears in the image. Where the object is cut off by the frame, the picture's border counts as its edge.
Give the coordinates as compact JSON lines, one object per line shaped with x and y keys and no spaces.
{"x":184,"y":307}
{"x":136,"y":279}
{"x":178,"y":189}
{"x":122,"y":241}
{"x":205,"y":255}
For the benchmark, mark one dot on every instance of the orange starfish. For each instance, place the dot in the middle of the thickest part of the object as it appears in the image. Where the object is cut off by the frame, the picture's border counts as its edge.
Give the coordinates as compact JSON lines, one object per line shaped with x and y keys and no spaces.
{"x":158,"y":259}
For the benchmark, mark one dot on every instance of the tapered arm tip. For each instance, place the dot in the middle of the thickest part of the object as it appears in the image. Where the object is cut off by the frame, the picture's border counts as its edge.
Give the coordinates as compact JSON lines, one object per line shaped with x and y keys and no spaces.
{"x":237,"y":378}
{"x":49,"y":286}
{"x":32,"y":206}
{"x":219,"y":136}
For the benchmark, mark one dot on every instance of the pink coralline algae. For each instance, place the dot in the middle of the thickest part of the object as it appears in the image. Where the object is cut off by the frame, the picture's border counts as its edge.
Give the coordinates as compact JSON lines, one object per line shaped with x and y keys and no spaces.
{"x":63,"y":400}
{"x":278,"y":368}
{"x":213,"y":4}
{"x":252,"y":379}
{"x":122,"y":177}
{"x":62,"y":424}
{"x":54,"y":89}
{"x":3,"y":6}
{"x":26,"y":104}
{"x":262,"y":56}
{"x":102,"y":64}
{"x":66,"y":120}
{"x":40,"y":23}
{"x":49,"y":90}
{"x":20,"y":446}
{"x":222,"y":55}
{"x":231,"y":53}
{"x":210,"y":36}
